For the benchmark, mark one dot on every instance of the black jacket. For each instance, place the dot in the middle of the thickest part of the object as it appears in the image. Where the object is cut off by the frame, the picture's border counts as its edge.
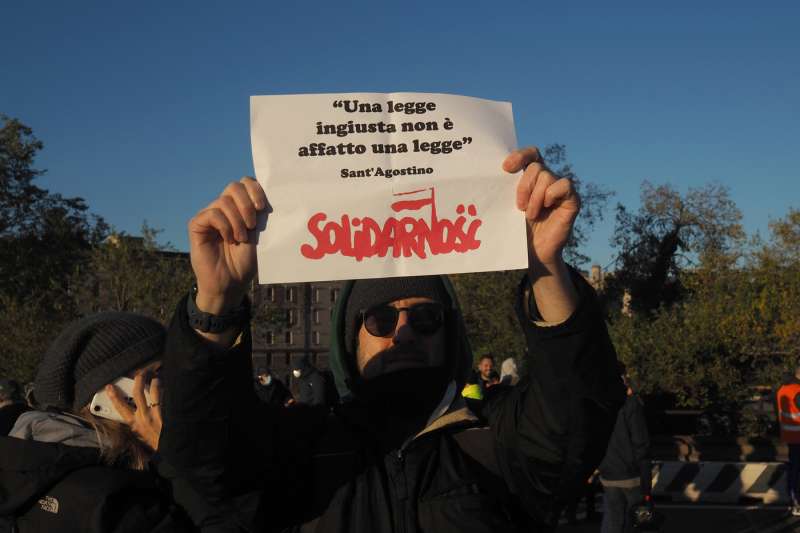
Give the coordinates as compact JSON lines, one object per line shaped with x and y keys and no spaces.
{"x":46,"y":487}
{"x":275,"y":393}
{"x":312,"y":469}
{"x":310,"y":387}
{"x":627,"y":454}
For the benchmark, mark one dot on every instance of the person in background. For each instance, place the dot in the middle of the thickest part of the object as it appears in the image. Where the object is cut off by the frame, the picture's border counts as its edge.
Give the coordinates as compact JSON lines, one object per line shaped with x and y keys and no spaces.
{"x":481,"y":378}
{"x":270,"y":390}
{"x":12,"y":404}
{"x":625,"y":471}
{"x":309,"y":382}
{"x":64,"y":468}
{"x":484,"y":373}
{"x":788,"y":406}
{"x":508,"y":372}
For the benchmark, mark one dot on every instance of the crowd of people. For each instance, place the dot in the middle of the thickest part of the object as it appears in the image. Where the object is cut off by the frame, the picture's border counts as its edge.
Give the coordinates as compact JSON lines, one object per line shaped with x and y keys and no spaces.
{"x":138,"y":427}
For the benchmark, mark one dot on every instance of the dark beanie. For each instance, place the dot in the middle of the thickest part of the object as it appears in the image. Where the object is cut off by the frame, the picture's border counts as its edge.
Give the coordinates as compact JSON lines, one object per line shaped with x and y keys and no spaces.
{"x":368,"y":293}
{"x":94,"y":351}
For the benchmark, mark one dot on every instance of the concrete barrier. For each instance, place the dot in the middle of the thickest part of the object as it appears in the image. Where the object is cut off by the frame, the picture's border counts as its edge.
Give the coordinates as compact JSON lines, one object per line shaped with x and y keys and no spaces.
{"x":720,"y":482}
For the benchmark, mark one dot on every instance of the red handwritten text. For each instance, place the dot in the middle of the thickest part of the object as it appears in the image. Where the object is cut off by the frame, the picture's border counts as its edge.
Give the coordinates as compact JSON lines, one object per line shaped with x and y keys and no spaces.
{"x":405,"y":236}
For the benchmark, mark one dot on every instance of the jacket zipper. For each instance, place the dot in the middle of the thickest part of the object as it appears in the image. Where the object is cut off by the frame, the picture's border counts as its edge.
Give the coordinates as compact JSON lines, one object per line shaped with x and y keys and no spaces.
{"x":401,"y":490}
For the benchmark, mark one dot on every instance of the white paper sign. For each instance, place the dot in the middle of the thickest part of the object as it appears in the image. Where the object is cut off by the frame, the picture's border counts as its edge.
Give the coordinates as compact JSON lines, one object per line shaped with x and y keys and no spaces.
{"x":367,"y":185}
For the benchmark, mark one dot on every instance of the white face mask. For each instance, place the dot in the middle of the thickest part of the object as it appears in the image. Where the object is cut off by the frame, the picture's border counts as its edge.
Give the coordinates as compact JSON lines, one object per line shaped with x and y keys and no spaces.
{"x":296,"y":373}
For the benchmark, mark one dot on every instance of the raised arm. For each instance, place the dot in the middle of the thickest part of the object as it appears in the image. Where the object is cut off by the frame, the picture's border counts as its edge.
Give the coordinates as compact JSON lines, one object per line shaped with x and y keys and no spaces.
{"x":223,"y":252}
{"x":552,"y":428}
{"x":551,"y":205}
{"x":219,"y":445}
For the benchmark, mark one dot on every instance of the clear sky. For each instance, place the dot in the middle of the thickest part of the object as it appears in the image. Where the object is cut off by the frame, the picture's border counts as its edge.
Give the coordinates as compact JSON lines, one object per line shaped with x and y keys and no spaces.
{"x":144,"y":106}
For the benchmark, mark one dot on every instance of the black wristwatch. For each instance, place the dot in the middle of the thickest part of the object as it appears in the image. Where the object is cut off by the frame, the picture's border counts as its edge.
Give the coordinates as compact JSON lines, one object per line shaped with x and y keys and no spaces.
{"x":209,"y":323}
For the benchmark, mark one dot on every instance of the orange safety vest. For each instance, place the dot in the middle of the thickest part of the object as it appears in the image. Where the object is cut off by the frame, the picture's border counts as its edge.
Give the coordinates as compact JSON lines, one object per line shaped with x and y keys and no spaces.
{"x":789,"y":413}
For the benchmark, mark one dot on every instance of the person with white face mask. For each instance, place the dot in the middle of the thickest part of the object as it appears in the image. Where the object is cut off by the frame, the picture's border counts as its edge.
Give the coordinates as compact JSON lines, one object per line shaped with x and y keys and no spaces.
{"x":307,"y":382}
{"x":270,"y":390}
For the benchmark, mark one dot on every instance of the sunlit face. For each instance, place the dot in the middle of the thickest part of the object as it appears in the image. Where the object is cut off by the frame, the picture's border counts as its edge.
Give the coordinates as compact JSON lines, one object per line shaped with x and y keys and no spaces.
{"x":485,"y":367}
{"x":404,"y":348}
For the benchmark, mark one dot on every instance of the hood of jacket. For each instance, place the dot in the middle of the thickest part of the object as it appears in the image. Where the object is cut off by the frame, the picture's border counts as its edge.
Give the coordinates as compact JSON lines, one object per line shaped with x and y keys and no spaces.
{"x":55,"y":427}
{"x":29,"y":468}
{"x":459,"y":354}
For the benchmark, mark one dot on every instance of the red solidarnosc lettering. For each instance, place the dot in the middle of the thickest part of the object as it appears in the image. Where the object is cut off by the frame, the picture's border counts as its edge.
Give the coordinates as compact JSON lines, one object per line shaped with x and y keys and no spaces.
{"x":406,"y":236}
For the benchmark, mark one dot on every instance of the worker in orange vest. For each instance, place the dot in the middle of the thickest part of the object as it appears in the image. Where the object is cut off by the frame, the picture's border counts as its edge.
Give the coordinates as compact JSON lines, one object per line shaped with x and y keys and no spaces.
{"x":788,"y":404}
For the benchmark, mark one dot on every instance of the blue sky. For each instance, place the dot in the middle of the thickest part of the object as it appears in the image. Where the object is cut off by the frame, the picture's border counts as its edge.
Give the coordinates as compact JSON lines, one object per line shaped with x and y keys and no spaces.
{"x":143,"y":107}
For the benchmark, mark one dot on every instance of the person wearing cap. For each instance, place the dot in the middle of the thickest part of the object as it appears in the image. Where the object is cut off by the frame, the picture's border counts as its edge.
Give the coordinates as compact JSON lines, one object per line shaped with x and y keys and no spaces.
{"x":401,"y":451}
{"x":309,"y":382}
{"x":64,"y":469}
{"x":12,"y":404}
{"x":269,"y":388}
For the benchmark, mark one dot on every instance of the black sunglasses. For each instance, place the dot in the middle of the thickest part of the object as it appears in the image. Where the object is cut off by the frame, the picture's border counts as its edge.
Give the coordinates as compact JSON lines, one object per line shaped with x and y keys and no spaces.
{"x":425,"y":318}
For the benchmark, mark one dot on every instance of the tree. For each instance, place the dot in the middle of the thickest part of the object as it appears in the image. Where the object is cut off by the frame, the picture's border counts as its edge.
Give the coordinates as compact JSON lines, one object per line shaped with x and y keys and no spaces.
{"x":486,"y":303}
{"x":43,"y":237}
{"x":668,"y":234}
{"x":135,"y":274}
{"x":594,"y":199}
{"x":42,"y":234}
{"x":737,"y":326}
{"x":785,"y":246}
{"x":28,"y":332}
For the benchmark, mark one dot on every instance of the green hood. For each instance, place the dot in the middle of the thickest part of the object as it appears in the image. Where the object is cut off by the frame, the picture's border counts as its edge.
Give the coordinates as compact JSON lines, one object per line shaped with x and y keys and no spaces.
{"x":459,"y":356}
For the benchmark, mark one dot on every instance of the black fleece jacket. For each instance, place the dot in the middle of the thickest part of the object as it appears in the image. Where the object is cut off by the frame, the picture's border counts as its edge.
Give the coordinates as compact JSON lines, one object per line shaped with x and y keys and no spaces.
{"x":237,"y":465}
{"x":46,"y":487}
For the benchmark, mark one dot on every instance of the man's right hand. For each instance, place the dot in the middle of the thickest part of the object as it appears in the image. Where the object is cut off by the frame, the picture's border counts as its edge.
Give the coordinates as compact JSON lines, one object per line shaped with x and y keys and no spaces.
{"x":223,"y":254}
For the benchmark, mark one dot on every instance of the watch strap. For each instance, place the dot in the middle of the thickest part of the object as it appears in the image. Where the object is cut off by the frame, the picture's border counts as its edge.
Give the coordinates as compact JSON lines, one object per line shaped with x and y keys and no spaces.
{"x":210,"y":323}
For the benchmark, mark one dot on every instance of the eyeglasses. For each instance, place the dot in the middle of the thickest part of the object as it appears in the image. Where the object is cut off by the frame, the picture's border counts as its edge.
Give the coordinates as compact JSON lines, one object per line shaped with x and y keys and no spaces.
{"x":425,"y":318}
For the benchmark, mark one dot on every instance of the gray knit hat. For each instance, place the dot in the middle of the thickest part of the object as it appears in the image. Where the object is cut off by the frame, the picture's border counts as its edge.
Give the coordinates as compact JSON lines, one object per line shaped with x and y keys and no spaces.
{"x":94,"y":351}
{"x":367,"y":293}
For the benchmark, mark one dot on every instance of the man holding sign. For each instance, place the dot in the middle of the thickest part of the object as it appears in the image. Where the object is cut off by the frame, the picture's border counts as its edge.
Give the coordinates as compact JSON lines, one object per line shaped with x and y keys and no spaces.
{"x":402,"y":453}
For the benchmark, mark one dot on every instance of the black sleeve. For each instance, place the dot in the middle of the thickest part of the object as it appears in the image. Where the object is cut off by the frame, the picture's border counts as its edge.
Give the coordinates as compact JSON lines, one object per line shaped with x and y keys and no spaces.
{"x":317,"y":389}
{"x":640,"y":443}
{"x":219,"y":445}
{"x":281,"y":392}
{"x":552,"y":428}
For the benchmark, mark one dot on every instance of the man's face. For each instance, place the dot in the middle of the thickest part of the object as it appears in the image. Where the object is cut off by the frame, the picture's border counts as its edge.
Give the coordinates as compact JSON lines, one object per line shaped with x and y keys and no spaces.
{"x":263,"y":378}
{"x":485,"y":367}
{"x":403,"y":348}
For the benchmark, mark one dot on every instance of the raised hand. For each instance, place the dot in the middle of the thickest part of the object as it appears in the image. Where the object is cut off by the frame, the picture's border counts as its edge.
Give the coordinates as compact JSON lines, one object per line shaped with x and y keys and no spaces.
{"x":551,"y":205}
{"x":223,"y":254}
